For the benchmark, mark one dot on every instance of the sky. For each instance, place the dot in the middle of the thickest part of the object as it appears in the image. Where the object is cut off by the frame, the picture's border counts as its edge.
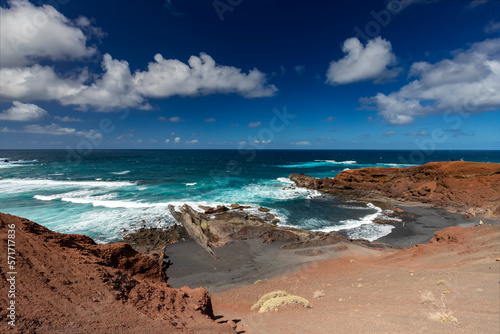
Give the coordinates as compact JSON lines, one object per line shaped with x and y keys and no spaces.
{"x":241,"y":74}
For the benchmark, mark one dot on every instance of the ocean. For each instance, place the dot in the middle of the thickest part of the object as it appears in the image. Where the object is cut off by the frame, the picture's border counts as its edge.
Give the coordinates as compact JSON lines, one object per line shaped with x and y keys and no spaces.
{"x":104,"y":193}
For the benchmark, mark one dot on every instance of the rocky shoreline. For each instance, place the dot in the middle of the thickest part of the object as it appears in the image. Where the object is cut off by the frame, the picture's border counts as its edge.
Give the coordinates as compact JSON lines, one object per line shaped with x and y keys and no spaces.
{"x":468,"y":188}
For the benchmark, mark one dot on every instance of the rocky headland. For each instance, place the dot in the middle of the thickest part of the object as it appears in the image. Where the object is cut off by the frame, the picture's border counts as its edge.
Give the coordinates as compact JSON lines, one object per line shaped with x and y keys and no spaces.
{"x":469,"y":188}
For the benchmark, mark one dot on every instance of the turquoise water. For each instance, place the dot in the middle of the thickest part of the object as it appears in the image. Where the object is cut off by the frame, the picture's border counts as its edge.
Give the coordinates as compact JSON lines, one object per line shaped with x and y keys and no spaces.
{"x":107,"y":191}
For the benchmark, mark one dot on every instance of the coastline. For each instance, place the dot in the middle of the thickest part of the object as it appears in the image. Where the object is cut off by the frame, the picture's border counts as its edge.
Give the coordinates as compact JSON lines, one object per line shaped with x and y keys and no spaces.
{"x":419,"y":224}
{"x":244,"y":262}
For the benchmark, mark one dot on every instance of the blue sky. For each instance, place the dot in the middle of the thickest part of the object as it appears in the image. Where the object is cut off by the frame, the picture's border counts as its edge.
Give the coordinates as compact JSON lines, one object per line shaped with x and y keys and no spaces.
{"x":399,"y":74}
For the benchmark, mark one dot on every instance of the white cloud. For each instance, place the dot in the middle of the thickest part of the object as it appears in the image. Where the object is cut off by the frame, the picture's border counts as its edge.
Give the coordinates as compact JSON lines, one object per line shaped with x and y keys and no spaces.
{"x":112,"y":90}
{"x":210,"y":120}
{"x":253,"y":124}
{"x":301,"y":143}
{"x":29,"y":33}
{"x":492,"y":26}
{"x":23,"y":112}
{"x":38,"y":83}
{"x":177,"y":140}
{"x":360,"y":63}
{"x":470,"y":82}
{"x":175,"y":119}
{"x":54,"y":129}
{"x":194,"y":141}
{"x":389,"y":133}
{"x":328,"y":119}
{"x":201,"y":76}
{"x":67,"y":119}
{"x":117,"y":87}
{"x":167,"y":141}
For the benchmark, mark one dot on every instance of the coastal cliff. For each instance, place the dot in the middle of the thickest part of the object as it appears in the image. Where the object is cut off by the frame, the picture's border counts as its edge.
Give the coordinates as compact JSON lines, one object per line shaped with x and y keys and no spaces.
{"x":470,"y":188}
{"x":68,"y":283}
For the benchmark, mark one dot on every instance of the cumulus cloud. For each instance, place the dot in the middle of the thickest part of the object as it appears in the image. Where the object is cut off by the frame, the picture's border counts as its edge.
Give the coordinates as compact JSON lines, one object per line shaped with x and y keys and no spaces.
{"x":23,"y":112}
{"x":194,"y":141}
{"x":201,"y":76}
{"x":117,"y":87}
{"x":112,"y":90}
{"x":29,"y":33}
{"x":177,"y":140}
{"x":253,"y":124}
{"x":469,"y":82}
{"x":38,"y":83}
{"x":374,"y":61}
{"x":167,"y":141}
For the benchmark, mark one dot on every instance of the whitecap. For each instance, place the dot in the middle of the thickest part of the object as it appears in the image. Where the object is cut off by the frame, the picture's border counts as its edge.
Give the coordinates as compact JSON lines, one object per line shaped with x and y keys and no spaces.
{"x":190,"y":184}
{"x":394,"y":165}
{"x":363,"y":228}
{"x":121,"y":173}
{"x":319,"y":163}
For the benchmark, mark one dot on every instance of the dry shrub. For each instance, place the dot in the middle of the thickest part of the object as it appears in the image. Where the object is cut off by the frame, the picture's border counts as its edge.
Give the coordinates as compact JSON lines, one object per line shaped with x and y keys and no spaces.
{"x":273,"y":303}
{"x":427,"y":297}
{"x":443,"y":314}
{"x":318,"y":294}
{"x":267,"y":296}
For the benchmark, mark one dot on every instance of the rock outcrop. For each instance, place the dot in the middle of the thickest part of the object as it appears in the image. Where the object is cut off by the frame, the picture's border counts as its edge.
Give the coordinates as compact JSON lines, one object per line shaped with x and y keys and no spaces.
{"x":470,"y":188}
{"x":216,"y":230}
{"x":195,"y":225}
{"x":68,"y":283}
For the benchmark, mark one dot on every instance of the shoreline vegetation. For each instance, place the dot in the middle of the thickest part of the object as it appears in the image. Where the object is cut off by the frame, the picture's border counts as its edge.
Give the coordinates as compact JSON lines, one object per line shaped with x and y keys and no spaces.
{"x":239,"y":257}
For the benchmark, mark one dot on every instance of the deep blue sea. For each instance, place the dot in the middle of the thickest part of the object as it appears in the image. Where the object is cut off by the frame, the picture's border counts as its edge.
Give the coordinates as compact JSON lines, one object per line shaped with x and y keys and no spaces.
{"x":106,"y":191}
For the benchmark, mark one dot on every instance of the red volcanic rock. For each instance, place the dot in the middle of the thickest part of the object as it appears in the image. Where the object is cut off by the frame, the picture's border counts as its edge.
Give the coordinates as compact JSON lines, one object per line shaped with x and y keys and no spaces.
{"x":472,"y":188}
{"x":68,"y":284}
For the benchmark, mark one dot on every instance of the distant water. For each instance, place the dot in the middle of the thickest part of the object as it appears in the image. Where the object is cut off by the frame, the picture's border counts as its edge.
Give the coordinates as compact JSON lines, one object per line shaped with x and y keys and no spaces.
{"x":111,"y":190}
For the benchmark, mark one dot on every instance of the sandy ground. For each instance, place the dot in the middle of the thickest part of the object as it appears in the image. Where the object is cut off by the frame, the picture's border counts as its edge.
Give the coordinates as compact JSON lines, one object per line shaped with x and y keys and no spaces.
{"x":364,"y":290}
{"x":371,"y":291}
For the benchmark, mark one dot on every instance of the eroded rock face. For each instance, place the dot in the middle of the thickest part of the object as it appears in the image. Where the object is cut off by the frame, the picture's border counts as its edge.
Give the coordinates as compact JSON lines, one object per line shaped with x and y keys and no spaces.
{"x":68,"y":283}
{"x":471,"y":188}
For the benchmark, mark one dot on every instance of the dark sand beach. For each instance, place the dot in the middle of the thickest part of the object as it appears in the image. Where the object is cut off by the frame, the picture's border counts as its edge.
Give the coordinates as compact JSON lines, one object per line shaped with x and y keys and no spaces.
{"x":248,"y":261}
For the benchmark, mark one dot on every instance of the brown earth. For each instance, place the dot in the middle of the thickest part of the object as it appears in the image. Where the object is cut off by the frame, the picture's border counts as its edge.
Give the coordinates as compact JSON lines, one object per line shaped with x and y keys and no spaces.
{"x":70,"y":284}
{"x":470,"y":188}
{"x":385,"y":291}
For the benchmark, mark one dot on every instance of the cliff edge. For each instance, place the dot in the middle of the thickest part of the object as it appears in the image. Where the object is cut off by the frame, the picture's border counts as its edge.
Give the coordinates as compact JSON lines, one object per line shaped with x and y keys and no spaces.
{"x":68,"y":284}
